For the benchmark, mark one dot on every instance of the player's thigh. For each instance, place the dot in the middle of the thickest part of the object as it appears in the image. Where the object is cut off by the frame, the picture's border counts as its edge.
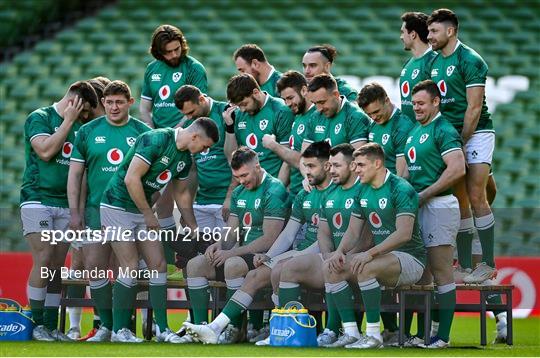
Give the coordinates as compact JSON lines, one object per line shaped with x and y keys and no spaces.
{"x":440,"y":260}
{"x":152,"y":253}
{"x":126,"y":253}
{"x":257,"y":278}
{"x":305,"y":269}
{"x":165,"y":203}
{"x":42,"y":252}
{"x":460,"y":191}
{"x":384,"y":268}
{"x":59,"y":254}
{"x":96,"y":255}
{"x":477,"y":179}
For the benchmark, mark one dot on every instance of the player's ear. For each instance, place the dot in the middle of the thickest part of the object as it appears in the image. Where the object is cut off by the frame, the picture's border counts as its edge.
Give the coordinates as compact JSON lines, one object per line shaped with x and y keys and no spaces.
{"x":327,"y":165}
{"x":327,"y":67}
{"x":131,"y":100}
{"x":303,"y":91}
{"x":102,"y":99}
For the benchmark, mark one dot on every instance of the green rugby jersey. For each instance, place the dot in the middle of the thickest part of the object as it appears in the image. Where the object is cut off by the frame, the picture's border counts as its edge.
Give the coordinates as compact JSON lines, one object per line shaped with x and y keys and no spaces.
{"x":453,"y":74}
{"x":269,"y":200}
{"x":380,"y":207}
{"x":416,"y":70}
{"x":213,"y":170}
{"x":349,"y":125}
{"x":295,"y":143}
{"x":346,"y":90}
{"x":336,"y":209}
{"x":270,"y":85}
{"x":425,"y":148}
{"x":161,"y":82}
{"x":46,"y":182}
{"x":101,"y":147}
{"x":392,"y":136}
{"x":306,"y":209}
{"x":273,"y":118}
{"x":158,"y":149}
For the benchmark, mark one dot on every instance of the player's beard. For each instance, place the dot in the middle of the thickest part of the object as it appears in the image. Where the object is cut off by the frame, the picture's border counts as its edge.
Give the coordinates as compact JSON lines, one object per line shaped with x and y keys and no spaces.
{"x":173,"y":63}
{"x":302,"y":106}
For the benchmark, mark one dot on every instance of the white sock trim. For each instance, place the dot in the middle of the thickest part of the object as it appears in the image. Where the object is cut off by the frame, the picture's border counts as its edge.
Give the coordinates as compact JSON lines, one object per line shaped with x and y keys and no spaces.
{"x":97,"y":284}
{"x":234,"y":283}
{"x":197,"y":282}
{"x":466,"y":224}
{"x":484,"y":222}
{"x":337,"y":286}
{"x":446,"y":288}
{"x":160,"y":279}
{"x":36,"y":293}
{"x":369,"y":284}
{"x":242,"y":298}
{"x":52,"y":299}
{"x":284,"y":284}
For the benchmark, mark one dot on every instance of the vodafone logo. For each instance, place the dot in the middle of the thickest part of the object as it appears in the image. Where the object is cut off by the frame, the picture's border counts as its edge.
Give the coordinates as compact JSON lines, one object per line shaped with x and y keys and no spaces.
{"x":115,"y":156}
{"x":375,"y":220}
{"x":67,"y":149}
{"x":247,"y":220}
{"x":164,"y":177}
{"x":411,"y":153}
{"x":252,"y":141}
{"x":524,"y":294}
{"x":164,"y":92}
{"x":315,"y":219}
{"x":405,"y":89}
{"x":337,"y":220}
{"x":291,"y":142}
{"x":442,"y":87}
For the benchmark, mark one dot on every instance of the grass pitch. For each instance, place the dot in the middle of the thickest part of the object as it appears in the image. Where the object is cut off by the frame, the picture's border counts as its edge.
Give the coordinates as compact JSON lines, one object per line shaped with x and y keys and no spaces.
{"x":465,"y":341}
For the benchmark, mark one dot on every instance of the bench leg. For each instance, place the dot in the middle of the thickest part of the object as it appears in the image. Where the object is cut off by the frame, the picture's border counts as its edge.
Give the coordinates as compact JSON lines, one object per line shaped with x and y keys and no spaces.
{"x":149,"y":323}
{"x":401,"y":337}
{"x":483,"y":297}
{"x":509,"y":318}
{"x":62,"y":318}
{"x":427,"y":318}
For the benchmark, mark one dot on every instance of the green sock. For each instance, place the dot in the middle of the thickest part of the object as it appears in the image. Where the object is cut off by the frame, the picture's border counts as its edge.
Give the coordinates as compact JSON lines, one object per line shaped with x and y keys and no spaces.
{"x":50,"y":318}
{"x":344,"y":300}
{"x":288,"y":291}
{"x":157,"y":292}
{"x":333,"y":322}
{"x":37,"y":311}
{"x":102,"y":297}
{"x":76,"y":291}
{"x":199,"y":296}
{"x":420,"y":316}
{"x":434,"y":313}
{"x":170,"y":255}
{"x":97,"y":321}
{"x":485,"y":226}
{"x":447,"y":305}
{"x":236,"y":321}
{"x":236,"y":306}
{"x":389,"y":319}
{"x":371,"y":295}
{"x":123,"y":301}
{"x":464,"y":242}
{"x":256,"y":318}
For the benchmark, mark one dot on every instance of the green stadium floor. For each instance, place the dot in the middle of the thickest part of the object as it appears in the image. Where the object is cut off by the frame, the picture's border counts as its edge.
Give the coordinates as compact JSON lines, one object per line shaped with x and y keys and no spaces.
{"x":465,"y":342}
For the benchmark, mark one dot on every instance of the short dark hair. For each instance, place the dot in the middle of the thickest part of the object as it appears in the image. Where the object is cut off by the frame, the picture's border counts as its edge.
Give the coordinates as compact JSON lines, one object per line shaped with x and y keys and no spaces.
{"x":443,"y":15}
{"x":345,"y":148}
{"x":117,"y":87}
{"x":99,"y":83}
{"x":241,"y":156}
{"x":208,"y":126}
{"x":429,"y":86}
{"x":328,"y":51}
{"x":370,"y":93}
{"x":241,"y":86}
{"x":164,"y":34}
{"x":85,"y":91}
{"x":292,"y":79}
{"x":322,"y":81}
{"x":186,"y":93}
{"x":250,"y":52}
{"x":417,"y":22}
{"x":371,"y":150}
{"x":319,"y":150}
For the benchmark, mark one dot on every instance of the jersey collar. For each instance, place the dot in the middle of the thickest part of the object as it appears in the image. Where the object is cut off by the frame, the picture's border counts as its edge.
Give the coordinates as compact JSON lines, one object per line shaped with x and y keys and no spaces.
{"x":55,"y":107}
{"x":211,"y":104}
{"x":386,"y":176}
{"x":176,"y":131}
{"x":266,"y":99}
{"x":436,"y":116}
{"x":458,"y":43}
{"x":270,"y":74}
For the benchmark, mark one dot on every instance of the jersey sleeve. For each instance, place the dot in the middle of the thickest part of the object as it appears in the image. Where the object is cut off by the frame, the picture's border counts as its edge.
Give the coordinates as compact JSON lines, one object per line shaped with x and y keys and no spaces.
{"x":197,"y":77}
{"x":145,"y":91}
{"x":356,"y":208}
{"x":234,"y":198}
{"x":401,"y":133}
{"x":310,"y":129}
{"x":358,"y":127}
{"x":147,"y":148}
{"x":36,"y":125}
{"x":448,"y":139}
{"x":297,"y":212}
{"x":184,"y":171}
{"x":405,"y":199}
{"x":80,"y":147}
{"x":276,"y":204}
{"x":284,"y":122}
{"x":474,"y":71}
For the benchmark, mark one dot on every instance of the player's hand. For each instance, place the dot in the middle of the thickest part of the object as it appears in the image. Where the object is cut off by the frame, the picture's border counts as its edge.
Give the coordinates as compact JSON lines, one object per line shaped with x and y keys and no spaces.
{"x":211,"y":250}
{"x":307,"y":187}
{"x":421,"y":199}
{"x":269,"y":141}
{"x":76,"y":222}
{"x":227,"y":115}
{"x":259,"y":259}
{"x":221,"y":256}
{"x":337,"y":261}
{"x":358,"y":261}
{"x":152,"y":223}
{"x":73,"y":109}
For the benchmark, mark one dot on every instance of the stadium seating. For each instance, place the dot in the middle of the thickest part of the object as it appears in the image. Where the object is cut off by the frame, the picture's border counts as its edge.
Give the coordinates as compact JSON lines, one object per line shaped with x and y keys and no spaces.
{"x":115,"y":43}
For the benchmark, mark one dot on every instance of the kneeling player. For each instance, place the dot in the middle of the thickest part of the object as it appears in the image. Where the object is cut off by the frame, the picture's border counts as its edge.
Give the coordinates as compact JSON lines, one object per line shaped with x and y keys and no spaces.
{"x":390,"y":205}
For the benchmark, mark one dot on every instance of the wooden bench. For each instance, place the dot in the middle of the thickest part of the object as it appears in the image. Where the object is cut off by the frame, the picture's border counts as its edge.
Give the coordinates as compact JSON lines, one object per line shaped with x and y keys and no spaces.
{"x":314,"y":301}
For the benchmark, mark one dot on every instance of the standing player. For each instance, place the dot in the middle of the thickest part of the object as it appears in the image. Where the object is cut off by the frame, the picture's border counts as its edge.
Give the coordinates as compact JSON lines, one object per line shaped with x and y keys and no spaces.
{"x":460,"y":73}
{"x":414,"y":32}
{"x":250,"y":59}
{"x":435,"y":163}
{"x":100,"y":147}
{"x":213,"y":172}
{"x":305,"y":210}
{"x":259,"y":207}
{"x":390,"y":205}
{"x":319,"y":60}
{"x":390,"y":127}
{"x":337,"y":120}
{"x":259,"y":114}
{"x":49,"y":136}
{"x":292,"y":87}
{"x":156,"y":158}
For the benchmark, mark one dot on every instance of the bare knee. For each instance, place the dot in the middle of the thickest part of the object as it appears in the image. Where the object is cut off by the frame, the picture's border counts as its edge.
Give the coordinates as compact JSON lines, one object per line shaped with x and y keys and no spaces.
{"x":256,"y":279}
{"x":235,"y":267}
{"x":197,"y":266}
